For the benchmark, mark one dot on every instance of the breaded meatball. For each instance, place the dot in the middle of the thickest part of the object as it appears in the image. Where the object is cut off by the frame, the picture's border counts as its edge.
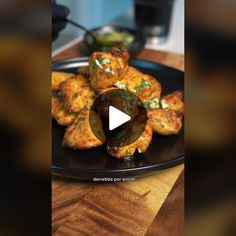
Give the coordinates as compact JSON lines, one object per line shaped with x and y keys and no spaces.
{"x":174,"y":101}
{"x":59,"y":113}
{"x":104,"y":70}
{"x":140,"y":145}
{"x":76,"y":94}
{"x":79,"y":134}
{"x":58,"y":77}
{"x":145,"y":86}
{"x":164,"y":121}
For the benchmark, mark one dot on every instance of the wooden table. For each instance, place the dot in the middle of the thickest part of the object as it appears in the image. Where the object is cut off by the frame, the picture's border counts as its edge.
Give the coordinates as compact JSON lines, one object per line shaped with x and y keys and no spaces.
{"x":152,"y":205}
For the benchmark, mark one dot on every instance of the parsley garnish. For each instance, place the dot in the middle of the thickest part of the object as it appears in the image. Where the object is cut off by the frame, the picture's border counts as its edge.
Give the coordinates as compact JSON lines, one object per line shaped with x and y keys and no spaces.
{"x":100,"y":62}
{"x":152,"y":104}
{"x":142,"y":85}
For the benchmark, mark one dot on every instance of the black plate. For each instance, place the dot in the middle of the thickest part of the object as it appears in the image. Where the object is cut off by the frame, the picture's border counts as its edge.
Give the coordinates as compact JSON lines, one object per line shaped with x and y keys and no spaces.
{"x":164,"y":151}
{"x":135,"y":47}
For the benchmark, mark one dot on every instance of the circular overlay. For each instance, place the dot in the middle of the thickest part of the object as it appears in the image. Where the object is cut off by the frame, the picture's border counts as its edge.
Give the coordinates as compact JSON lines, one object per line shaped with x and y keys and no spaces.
{"x":125,"y":102}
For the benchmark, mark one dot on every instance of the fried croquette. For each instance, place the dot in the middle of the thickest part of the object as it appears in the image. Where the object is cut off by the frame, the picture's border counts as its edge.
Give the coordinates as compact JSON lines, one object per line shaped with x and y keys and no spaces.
{"x":145,"y":86}
{"x":106,"y":68}
{"x":76,"y":94}
{"x":58,"y":77}
{"x":173,"y":101}
{"x":59,"y":113}
{"x":141,"y":145}
{"x":164,"y":121}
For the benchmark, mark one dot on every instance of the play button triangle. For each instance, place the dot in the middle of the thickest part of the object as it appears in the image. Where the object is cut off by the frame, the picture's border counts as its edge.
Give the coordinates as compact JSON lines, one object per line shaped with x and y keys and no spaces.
{"x":117,"y":118}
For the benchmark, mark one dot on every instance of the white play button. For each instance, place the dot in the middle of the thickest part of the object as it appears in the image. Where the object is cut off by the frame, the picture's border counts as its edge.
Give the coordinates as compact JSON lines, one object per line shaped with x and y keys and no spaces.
{"x":117,"y":118}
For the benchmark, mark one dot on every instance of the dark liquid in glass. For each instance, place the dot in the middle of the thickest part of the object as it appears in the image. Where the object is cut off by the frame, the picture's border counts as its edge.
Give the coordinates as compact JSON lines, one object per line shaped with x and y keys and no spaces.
{"x":153,"y":17}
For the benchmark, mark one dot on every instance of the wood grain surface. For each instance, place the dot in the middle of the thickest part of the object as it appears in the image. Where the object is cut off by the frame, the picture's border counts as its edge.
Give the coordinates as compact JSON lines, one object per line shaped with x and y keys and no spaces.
{"x":170,"y":220}
{"x":151,"y":205}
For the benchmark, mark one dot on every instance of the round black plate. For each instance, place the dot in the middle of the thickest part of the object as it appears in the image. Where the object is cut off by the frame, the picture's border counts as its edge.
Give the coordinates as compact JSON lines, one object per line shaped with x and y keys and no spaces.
{"x":164,"y":151}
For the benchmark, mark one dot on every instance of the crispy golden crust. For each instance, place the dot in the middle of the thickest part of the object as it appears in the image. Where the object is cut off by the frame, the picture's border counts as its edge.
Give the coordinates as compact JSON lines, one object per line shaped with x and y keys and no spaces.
{"x":76,"y":94}
{"x":145,"y":86}
{"x":174,"y":101}
{"x":122,"y":56}
{"x":58,"y":77}
{"x":145,"y":139}
{"x":79,"y":134}
{"x":104,"y":70}
{"x":164,"y":121}
{"x":59,"y":113}
{"x":140,"y":145}
{"x":154,"y":91}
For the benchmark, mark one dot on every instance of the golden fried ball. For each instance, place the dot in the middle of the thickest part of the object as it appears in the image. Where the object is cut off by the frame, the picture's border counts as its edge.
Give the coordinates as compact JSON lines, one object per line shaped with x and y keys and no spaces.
{"x":76,"y":94}
{"x":145,"y":86}
{"x":59,"y":113}
{"x":79,"y":134}
{"x":174,"y":101}
{"x":104,"y":70}
{"x":58,"y":77}
{"x":164,"y":121}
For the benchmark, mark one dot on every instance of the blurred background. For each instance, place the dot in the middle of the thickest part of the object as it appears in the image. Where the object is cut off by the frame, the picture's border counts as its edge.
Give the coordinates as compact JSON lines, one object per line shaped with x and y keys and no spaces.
{"x":210,"y":82}
{"x":149,"y":17}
